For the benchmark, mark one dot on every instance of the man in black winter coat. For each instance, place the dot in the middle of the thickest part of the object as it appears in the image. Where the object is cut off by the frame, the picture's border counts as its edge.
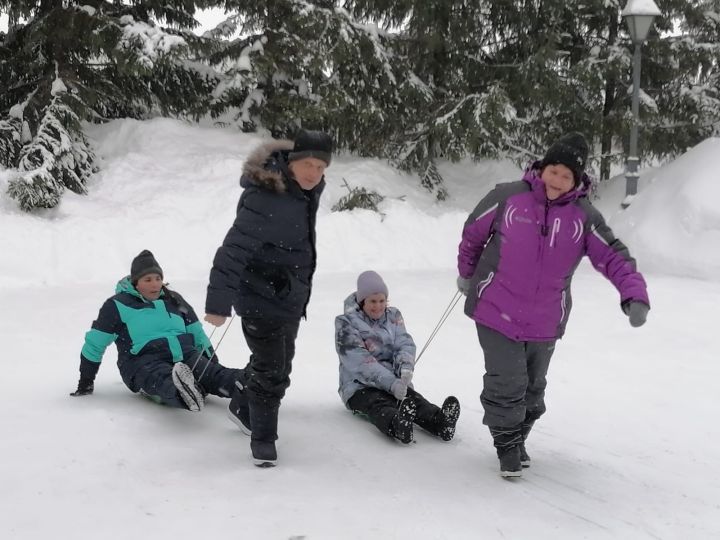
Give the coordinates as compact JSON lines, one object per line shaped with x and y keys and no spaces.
{"x":264,"y":270}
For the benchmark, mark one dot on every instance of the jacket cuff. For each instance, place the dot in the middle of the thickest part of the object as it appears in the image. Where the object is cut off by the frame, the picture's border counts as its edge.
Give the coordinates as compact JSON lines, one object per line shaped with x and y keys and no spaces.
{"x":88,"y":369}
{"x":387,"y":380}
{"x":405,"y":360}
{"x":218,"y":302}
{"x":625,"y":304}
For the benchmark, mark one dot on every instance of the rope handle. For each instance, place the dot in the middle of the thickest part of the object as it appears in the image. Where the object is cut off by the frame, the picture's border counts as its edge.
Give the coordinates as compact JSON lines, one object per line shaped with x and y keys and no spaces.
{"x":215,"y":348}
{"x":448,"y":310}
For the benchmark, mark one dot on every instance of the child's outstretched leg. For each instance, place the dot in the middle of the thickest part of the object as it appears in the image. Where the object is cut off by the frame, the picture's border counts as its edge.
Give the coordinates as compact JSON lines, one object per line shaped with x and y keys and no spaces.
{"x":164,"y":382}
{"x":439,"y":421}
{"x":214,"y":378}
{"x":401,"y":426}
{"x":383,"y":410}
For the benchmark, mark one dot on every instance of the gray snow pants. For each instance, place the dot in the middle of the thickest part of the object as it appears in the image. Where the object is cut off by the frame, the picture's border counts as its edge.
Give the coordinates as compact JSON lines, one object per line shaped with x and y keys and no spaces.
{"x":514,"y":381}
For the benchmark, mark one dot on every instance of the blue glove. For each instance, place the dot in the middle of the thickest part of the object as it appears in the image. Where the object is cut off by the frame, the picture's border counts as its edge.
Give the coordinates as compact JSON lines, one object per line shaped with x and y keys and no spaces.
{"x":463,"y":285}
{"x":636,"y":312}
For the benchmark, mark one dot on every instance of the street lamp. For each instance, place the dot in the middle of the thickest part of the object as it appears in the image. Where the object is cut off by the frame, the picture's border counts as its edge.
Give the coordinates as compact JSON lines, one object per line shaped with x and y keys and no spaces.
{"x":639,"y":15}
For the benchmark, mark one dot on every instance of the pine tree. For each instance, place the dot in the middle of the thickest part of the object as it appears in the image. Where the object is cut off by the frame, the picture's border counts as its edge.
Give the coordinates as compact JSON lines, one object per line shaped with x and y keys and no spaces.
{"x":448,"y":79}
{"x":677,"y":92}
{"x":414,"y":81}
{"x":311,"y":64}
{"x":683,"y":76}
{"x":566,"y":67}
{"x":560,"y":66}
{"x":91,"y":60}
{"x":599,"y":59}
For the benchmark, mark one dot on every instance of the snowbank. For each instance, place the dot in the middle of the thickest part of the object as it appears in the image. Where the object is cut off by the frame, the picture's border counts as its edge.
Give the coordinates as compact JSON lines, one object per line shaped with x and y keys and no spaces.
{"x":172,"y":187}
{"x":673,"y":226}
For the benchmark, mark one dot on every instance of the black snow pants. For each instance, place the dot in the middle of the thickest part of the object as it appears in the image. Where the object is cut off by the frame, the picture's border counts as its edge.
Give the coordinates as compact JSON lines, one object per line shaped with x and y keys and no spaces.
{"x":381,"y":407}
{"x":267,"y":375}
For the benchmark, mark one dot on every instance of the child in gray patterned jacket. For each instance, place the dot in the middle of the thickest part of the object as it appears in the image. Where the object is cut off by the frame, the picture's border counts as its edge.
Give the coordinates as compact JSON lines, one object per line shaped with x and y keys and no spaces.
{"x":377,"y":361}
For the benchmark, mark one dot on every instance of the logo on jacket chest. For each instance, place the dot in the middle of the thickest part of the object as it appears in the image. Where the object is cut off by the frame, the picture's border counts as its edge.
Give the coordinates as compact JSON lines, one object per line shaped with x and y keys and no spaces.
{"x":556,"y":228}
{"x":561,"y":229}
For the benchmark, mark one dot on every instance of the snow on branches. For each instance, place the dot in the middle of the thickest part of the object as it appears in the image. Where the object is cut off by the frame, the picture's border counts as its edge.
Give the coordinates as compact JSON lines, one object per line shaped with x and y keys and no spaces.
{"x":57,"y":158}
{"x":147,"y":41}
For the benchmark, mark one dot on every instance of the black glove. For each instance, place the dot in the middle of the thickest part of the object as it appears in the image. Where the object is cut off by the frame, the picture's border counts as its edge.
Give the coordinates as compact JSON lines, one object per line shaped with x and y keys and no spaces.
{"x":85,"y":387}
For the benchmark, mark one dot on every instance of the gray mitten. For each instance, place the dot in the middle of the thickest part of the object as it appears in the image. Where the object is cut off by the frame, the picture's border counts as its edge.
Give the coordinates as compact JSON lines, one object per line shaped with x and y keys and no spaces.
{"x":463,"y":285}
{"x":406,"y":376}
{"x":399,"y":389}
{"x":637,"y":313}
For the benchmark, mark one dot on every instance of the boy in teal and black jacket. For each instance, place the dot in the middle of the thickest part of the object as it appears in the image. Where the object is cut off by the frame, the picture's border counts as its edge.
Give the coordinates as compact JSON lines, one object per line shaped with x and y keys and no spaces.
{"x":163,"y":351}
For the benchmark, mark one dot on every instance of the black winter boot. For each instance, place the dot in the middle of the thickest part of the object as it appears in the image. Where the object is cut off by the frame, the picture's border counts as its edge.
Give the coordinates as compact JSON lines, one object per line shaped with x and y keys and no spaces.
{"x":507,"y":442}
{"x":450,"y":412}
{"x":510,"y":461}
{"x":524,"y":457}
{"x":263,"y":423}
{"x":264,"y":453}
{"x":401,"y":426}
{"x":239,"y":410}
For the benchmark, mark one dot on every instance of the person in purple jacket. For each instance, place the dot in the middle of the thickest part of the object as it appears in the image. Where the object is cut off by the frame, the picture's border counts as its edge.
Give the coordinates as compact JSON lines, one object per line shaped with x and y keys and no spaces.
{"x":519,"y":250}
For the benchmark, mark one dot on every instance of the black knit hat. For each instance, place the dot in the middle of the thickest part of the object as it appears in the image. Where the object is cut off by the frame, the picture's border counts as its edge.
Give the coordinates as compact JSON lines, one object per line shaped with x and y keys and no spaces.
{"x":316,"y":144}
{"x":143,"y":265}
{"x":570,"y":150}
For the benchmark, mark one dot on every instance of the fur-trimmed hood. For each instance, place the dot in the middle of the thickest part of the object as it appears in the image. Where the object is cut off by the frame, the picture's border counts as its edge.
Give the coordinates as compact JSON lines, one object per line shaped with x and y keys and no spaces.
{"x":266,"y":166}
{"x":267,"y":260}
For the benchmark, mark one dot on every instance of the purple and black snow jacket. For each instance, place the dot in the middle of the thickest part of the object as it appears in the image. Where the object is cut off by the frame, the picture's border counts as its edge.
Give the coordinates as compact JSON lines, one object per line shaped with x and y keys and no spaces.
{"x":520,"y":251}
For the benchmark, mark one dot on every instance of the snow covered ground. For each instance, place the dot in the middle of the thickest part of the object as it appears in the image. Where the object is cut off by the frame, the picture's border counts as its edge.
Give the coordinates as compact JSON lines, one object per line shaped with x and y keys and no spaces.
{"x":629,"y":447}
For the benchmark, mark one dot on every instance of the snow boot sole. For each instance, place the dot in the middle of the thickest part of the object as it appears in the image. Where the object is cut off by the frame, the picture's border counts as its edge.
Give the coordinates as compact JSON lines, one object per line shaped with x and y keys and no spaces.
{"x":524,"y":458}
{"x":402,"y":423}
{"x":510,"y":466}
{"x":187,"y":387}
{"x":264,"y":454}
{"x":450,"y":412}
{"x":238,"y":410}
{"x":235,"y":420}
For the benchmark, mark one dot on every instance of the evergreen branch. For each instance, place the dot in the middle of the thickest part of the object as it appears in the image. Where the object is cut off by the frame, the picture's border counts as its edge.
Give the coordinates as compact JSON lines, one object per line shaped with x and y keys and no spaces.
{"x":10,"y":141}
{"x":58,"y":158}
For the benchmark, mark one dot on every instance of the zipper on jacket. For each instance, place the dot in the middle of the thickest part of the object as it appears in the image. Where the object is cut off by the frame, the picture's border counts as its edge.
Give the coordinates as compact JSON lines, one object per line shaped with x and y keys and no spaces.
{"x":482,"y":285}
{"x":312,"y":205}
{"x":544,"y":226}
{"x":555,"y":230}
{"x":541,"y":248}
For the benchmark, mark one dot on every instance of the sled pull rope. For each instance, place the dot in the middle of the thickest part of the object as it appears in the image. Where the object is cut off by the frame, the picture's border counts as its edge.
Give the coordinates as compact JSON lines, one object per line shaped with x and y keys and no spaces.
{"x":215,"y":348}
{"x":448,"y":310}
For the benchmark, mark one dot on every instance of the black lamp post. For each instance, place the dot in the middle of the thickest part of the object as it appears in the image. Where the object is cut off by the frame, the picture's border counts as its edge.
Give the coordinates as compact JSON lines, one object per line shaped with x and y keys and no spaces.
{"x":639,"y":15}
